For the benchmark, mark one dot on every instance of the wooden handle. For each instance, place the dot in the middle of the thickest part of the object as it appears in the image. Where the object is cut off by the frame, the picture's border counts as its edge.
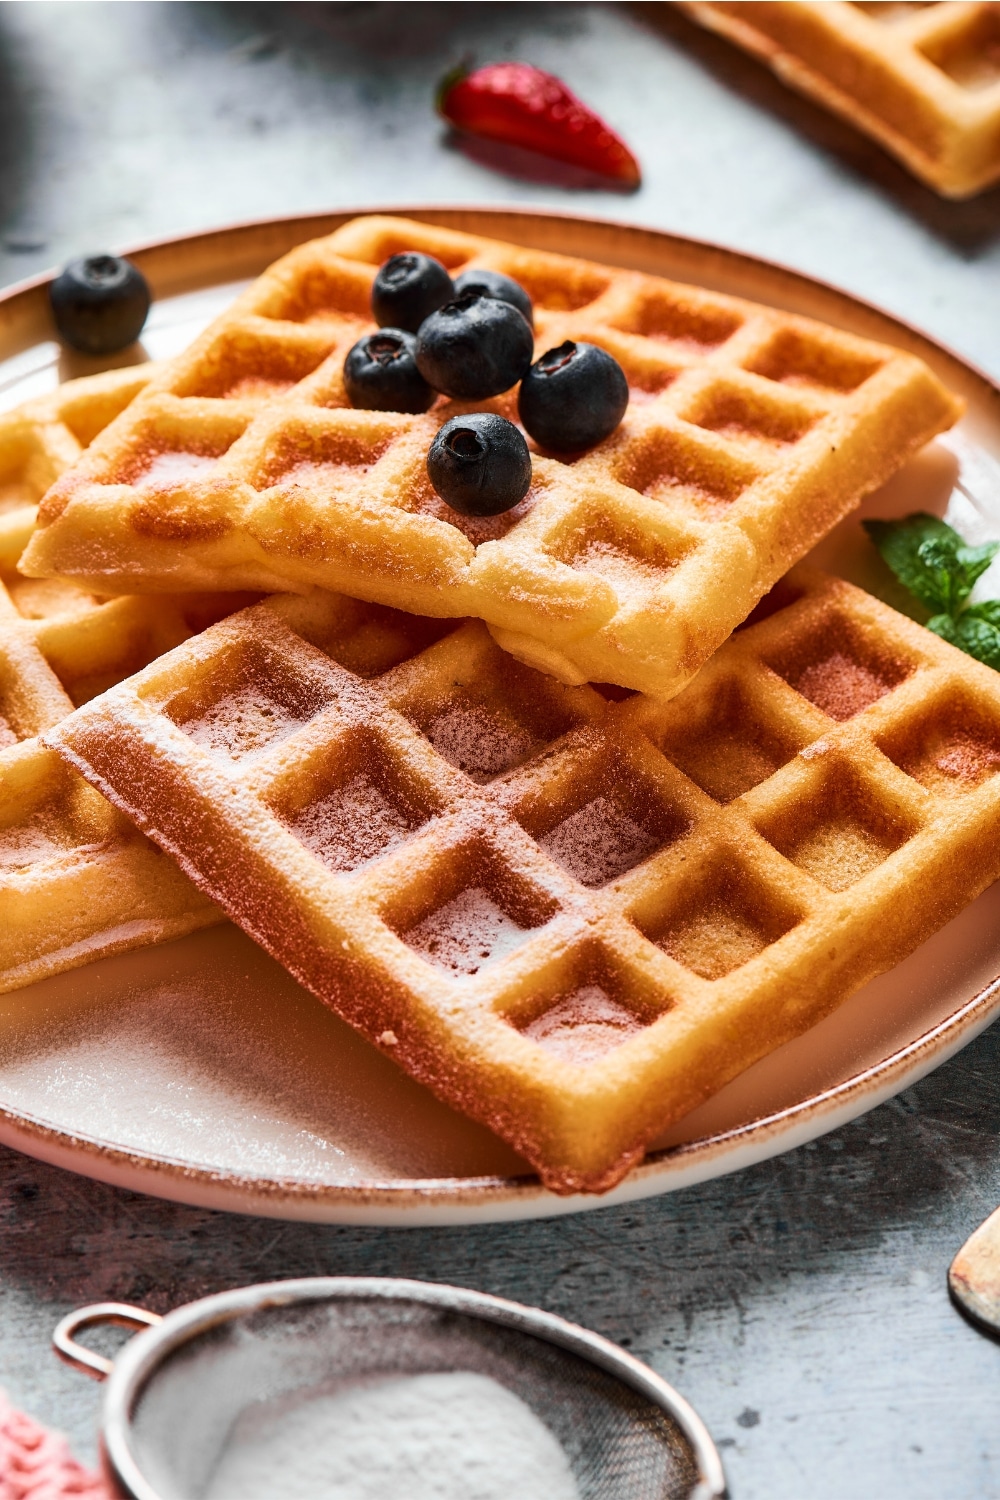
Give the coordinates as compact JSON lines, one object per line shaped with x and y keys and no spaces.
{"x":974,"y":1277}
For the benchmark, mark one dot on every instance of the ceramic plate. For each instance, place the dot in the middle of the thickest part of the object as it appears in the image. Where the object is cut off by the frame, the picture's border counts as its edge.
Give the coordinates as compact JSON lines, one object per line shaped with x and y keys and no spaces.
{"x":200,"y":1071}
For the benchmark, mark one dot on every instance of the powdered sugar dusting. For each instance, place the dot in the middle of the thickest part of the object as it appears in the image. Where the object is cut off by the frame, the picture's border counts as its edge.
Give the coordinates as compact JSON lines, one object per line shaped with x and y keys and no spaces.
{"x":584,"y":1025}
{"x":244,"y":722}
{"x":257,"y":387}
{"x":7,"y":733}
{"x":466,"y":933}
{"x":478,"y":529}
{"x":28,"y":842}
{"x":840,"y":852}
{"x":599,"y":842}
{"x":624,"y":570}
{"x":324,"y":478}
{"x":174,"y":467}
{"x":841,"y":686}
{"x":455,"y":1435}
{"x":352,"y":825}
{"x":969,"y":760}
{"x":478,"y":742}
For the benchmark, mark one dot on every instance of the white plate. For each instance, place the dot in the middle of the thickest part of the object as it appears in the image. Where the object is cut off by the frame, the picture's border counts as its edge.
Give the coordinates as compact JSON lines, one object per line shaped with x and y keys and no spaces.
{"x":200,"y":1071}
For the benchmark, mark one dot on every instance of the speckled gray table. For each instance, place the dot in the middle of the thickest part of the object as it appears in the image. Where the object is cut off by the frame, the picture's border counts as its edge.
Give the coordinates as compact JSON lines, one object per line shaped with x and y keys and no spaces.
{"x":801,"y":1305}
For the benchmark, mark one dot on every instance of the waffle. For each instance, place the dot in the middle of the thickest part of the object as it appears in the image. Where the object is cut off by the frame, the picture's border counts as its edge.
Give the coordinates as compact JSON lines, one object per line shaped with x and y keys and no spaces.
{"x":76,"y":879}
{"x":749,"y":433}
{"x":574,"y":915}
{"x":42,"y":438}
{"x":922,"y":79}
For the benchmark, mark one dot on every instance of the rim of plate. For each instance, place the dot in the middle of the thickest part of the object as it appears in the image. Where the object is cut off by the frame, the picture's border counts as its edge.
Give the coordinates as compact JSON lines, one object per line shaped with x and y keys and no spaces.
{"x":492,"y":1198}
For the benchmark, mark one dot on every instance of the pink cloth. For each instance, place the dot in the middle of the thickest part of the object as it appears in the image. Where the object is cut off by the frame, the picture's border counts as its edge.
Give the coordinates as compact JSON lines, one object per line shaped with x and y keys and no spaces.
{"x":36,"y":1464}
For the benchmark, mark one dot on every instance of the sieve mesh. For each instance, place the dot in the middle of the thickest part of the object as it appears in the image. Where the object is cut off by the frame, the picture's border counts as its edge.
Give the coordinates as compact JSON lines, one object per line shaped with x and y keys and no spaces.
{"x":619,"y":1444}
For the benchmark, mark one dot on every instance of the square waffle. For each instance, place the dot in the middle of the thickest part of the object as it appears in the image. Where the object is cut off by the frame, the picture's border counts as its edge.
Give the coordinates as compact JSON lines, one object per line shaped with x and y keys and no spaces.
{"x":749,"y":433}
{"x":574,"y":915}
{"x":76,"y":879}
{"x":922,"y":79}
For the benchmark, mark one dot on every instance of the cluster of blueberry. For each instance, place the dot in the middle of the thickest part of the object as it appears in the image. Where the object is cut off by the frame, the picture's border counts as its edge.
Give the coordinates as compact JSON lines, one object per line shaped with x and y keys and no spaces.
{"x":472,"y":338}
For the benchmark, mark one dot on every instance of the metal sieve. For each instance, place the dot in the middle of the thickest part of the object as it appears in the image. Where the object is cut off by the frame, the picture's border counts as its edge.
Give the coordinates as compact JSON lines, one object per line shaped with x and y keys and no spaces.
{"x":177,"y":1391}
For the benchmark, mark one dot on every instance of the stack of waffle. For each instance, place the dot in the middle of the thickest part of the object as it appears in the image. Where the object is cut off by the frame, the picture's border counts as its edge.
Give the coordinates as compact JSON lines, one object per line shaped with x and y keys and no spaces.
{"x":578,"y":861}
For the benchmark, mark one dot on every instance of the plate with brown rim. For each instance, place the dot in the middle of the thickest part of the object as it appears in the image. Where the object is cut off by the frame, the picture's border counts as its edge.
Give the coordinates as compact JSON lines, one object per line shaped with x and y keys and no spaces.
{"x":200,"y":1071}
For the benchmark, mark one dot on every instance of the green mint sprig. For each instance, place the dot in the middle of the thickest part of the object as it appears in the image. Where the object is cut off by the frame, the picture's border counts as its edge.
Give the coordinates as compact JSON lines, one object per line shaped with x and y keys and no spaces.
{"x":932,"y":561}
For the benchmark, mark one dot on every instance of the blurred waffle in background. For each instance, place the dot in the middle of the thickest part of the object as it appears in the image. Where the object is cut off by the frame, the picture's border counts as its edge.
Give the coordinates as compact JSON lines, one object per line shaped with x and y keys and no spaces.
{"x":923,"y":79}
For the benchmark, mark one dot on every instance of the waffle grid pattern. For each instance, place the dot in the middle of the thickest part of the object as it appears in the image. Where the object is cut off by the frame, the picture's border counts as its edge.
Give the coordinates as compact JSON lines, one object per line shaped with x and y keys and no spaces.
{"x":574,"y":916}
{"x":750,"y":432}
{"x":922,"y":79}
{"x":76,"y":880}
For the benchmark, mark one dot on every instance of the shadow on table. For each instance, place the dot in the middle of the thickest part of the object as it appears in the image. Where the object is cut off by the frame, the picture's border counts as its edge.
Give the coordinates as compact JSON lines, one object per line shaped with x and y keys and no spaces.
{"x":970,"y":227}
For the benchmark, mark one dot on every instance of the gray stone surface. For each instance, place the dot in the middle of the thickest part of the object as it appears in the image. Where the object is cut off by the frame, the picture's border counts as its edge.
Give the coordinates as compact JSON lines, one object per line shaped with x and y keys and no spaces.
{"x":801,"y":1305}
{"x":124,"y":121}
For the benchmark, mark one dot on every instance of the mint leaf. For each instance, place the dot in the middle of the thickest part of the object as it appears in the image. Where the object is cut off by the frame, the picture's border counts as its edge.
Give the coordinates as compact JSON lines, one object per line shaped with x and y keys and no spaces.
{"x":952,"y":571}
{"x":975,"y":560}
{"x":922,"y":551}
{"x":971,"y":634}
{"x":988,"y":609}
{"x":942,"y":581}
{"x":931,"y":560}
{"x":947,"y":629}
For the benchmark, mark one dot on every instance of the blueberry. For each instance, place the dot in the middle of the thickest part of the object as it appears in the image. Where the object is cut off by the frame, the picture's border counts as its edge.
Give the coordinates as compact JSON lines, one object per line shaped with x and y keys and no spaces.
{"x":480,"y":464}
{"x":474,"y":347}
{"x":495,"y":284}
{"x":100,"y":303}
{"x":381,"y":374}
{"x":573,"y":397}
{"x":407,"y":289}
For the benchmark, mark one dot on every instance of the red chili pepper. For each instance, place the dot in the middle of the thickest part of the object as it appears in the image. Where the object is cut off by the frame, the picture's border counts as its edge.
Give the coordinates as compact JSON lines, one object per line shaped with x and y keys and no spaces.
{"x":522,"y":106}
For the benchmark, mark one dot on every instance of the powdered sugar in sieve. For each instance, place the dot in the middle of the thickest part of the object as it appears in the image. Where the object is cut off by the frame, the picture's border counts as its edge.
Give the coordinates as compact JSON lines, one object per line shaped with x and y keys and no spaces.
{"x":369,"y":1389}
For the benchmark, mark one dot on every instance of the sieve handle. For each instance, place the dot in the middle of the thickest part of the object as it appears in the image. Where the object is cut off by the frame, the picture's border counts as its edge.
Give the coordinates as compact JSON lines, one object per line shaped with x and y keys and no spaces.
{"x":78,"y":1355}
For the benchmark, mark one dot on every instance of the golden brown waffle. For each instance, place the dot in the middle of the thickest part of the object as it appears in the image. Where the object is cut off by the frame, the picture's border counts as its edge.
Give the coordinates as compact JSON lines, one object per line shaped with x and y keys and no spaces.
{"x":922,"y":79}
{"x":87,"y":640}
{"x":77,"y":882}
{"x":749,"y":433}
{"x":42,"y":438}
{"x":573,"y":918}
{"x":76,"y":879}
